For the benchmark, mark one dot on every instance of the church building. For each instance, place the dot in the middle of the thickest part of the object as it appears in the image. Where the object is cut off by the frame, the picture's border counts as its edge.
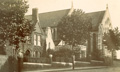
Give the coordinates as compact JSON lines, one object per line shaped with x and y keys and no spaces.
{"x":46,"y":29}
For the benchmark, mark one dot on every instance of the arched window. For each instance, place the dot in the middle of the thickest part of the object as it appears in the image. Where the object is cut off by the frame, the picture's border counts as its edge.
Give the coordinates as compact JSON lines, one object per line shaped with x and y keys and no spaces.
{"x":39,"y":43}
{"x":27,"y":56}
{"x":27,"y":53}
{"x":37,"y":54}
{"x":94,"y":41}
{"x":34,"y":54}
{"x":35,"y":39}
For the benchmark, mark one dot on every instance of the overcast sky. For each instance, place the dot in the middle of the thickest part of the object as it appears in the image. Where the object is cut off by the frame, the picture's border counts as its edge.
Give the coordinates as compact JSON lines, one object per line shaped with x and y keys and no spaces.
{"x":85,"y":5}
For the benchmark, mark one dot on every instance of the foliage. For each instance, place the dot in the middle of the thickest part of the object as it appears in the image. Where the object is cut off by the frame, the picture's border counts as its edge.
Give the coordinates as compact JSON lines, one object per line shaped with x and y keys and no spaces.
{"x":74,"y":29}
{"x":112,"y":39}
{"x":63,"y":51}
{"x":13,"y":25}
{"x":66,"y":51}
{"x":77,"y":50}
{"x":115,"y":37}
{"x":50,"y":51}
{"x":97,"y":55}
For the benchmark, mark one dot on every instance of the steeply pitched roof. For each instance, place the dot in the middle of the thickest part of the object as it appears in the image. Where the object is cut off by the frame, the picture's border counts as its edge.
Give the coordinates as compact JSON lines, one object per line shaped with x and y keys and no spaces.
{"x":96,"y":18}
{"x":51,"y":19}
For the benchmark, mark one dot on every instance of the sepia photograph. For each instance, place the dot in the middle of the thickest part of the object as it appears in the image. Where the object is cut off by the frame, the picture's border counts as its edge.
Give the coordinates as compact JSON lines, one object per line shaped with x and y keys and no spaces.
{"x":59,"y":36}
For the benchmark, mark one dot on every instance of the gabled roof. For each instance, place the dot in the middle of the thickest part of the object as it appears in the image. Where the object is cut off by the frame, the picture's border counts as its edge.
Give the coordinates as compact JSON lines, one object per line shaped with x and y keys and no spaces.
{"x":96,"y":18}
{"x":51,"y":19}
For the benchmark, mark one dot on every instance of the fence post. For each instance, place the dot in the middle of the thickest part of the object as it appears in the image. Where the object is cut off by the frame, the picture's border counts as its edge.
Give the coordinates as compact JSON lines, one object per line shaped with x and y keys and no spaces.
{"x":50,"y":58}
{"x":73,"y":60}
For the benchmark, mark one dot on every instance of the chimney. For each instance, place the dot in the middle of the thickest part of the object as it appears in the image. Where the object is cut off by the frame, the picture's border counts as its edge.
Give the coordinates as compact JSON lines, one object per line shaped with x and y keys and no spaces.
{"x":34,"y":15}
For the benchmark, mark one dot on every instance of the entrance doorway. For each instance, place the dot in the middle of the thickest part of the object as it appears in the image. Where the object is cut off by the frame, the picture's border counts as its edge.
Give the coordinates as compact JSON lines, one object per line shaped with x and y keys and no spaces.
{"x":26,"y":56}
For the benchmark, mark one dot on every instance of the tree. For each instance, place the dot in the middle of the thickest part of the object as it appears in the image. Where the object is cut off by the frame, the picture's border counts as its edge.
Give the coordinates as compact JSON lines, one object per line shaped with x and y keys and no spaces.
{"x":115,"y":37}
{"x":112,"y":41}
{"x":75,"y":28}
{"x":13,"y":25}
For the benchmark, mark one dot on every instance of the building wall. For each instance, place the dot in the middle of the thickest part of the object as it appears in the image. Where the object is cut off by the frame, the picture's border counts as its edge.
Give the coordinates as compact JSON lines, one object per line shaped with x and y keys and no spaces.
{"x":93,"y":40}
{"x":34,"y":41}
{"x":49,"y":40}
{"x":54,"y":32}
{"x":100,"y":36}
{"x":106,"y":22}
{"x":104,"y":27}
{"x":33,"y":45}
{"x":96,"y":37}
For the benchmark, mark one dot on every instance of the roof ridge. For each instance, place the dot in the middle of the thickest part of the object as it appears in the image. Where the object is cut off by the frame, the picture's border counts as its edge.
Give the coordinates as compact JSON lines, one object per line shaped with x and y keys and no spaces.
{"x":95,"y":11}
{"x":54,"y":11}
{"x":53,"y":17}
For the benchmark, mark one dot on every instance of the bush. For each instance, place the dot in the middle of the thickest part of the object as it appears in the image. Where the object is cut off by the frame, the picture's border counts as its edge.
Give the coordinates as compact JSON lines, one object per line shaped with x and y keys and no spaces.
{"x":48,"y":52}
{"x":97,"y":55}
{"x":108,"y":61}
{"x":64,"y":53}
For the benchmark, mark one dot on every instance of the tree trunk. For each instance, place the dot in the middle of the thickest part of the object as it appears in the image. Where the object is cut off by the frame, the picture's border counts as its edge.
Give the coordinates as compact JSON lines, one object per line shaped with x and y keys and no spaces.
{"x":73,"y":58}
{"x":112,"y":57}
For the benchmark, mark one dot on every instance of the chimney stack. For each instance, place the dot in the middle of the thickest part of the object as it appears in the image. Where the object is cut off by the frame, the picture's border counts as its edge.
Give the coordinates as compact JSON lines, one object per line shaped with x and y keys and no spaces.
{"x":34,"y":15}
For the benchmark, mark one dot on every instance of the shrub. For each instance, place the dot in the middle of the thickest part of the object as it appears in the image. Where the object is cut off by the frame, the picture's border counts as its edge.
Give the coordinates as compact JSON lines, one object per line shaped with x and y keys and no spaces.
{"x":64,"y":53}
{"x":97,"y":55}
{"x":48,"y":52}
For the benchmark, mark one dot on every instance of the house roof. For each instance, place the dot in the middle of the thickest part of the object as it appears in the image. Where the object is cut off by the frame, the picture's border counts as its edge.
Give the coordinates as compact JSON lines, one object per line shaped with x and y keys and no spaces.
{"x":51,"y":19}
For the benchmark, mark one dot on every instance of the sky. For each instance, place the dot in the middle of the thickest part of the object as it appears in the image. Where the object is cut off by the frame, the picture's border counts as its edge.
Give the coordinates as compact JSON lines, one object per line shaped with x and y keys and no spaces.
{"x":85,"y":5}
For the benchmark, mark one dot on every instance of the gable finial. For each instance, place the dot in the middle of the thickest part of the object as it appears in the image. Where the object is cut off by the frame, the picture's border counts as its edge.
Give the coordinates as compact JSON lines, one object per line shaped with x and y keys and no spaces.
{"x":72,"y":4}
{"x":72,"y":9}
{"x":106,"y":6}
